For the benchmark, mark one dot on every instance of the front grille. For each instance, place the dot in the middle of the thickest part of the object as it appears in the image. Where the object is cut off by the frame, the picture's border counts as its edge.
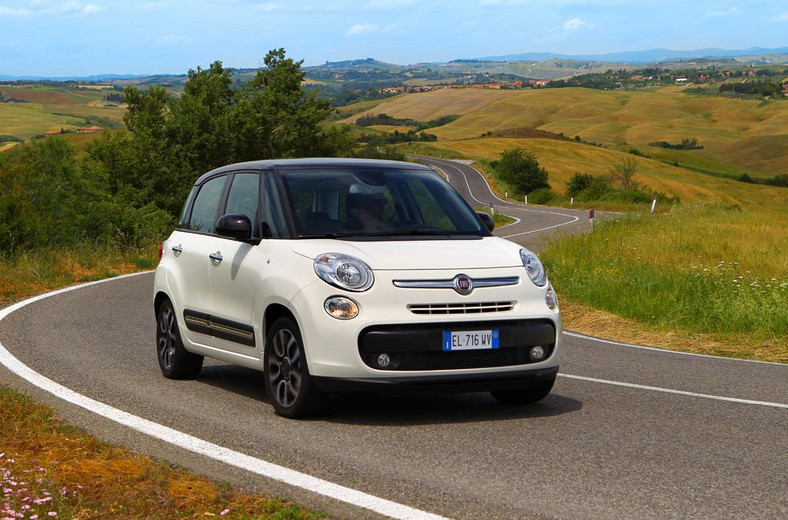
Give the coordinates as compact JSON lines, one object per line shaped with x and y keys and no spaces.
{"x":461,"y":308}
{"x":414,"y":346}
{"x":454,"y":360}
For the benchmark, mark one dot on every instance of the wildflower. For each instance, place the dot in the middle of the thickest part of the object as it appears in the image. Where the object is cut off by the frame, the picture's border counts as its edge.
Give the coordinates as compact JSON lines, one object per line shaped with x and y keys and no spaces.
{"x":52,"y":513}
{"x":224,"y":512}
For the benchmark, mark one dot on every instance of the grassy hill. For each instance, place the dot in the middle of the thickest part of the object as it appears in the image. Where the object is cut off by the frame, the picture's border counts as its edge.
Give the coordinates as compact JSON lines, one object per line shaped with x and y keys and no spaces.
{"x":738,"y":136}
{"x":55,"y":108}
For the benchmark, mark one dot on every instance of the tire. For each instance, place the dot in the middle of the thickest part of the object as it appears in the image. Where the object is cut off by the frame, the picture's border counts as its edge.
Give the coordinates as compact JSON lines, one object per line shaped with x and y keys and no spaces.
{"x":288,"y":384}
{"x":526,"y":395}
{"x":174,"y":360}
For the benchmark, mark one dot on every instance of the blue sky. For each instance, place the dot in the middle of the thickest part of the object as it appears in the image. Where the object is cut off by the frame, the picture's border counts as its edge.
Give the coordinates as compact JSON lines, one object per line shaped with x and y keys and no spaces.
{"x":75,"y":37}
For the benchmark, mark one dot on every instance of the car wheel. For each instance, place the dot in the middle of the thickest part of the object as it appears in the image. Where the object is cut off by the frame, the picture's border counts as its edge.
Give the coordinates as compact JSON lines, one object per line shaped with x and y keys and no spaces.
{"x":174,"y":360}
{"x":529,"y":394}
{"x":287,"y":382}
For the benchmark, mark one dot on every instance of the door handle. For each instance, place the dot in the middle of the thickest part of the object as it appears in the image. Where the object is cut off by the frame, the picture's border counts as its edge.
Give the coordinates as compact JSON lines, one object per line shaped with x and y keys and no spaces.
{"x":216,"y":257}
{"x":177,"y":249}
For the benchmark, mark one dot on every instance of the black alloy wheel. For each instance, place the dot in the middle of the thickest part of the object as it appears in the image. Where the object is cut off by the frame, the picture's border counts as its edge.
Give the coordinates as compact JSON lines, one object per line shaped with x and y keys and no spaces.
{"x":174,"y":360}
{"x":287,"y":382}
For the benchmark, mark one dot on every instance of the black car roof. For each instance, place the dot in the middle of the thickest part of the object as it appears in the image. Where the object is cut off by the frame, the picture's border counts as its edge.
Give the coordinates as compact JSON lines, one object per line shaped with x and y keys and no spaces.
{"x":322,"y":162}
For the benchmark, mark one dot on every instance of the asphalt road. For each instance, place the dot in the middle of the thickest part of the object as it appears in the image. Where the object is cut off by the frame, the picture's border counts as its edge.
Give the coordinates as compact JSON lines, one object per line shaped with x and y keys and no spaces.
{"x":627,"y":432}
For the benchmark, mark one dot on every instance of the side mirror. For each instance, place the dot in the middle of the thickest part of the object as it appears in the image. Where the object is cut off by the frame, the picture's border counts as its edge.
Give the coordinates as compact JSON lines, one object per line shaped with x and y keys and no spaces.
{"x":234,"y":225}
{"x":487,"y":219}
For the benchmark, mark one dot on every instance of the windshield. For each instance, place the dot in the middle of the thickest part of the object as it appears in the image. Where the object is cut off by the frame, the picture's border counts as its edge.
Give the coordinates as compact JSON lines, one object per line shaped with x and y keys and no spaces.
{"x":376,"y":202}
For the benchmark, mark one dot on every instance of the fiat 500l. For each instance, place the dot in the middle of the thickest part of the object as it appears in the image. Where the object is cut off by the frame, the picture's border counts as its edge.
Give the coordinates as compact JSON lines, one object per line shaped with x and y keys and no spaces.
{"x":331,"y":275}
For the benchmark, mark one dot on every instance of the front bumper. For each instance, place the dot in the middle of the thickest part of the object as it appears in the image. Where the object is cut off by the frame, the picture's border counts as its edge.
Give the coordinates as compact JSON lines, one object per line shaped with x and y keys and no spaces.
{"x":448,"y":382}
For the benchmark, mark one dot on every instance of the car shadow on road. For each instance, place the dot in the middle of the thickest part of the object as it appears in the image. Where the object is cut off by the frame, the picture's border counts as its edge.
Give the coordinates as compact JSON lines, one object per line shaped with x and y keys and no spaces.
{"x":438,"y":408}
{"x":373,"y":409}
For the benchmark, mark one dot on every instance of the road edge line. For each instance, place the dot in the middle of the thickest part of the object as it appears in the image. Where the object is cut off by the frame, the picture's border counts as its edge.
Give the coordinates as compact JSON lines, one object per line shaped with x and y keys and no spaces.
{"x":195,"y":444}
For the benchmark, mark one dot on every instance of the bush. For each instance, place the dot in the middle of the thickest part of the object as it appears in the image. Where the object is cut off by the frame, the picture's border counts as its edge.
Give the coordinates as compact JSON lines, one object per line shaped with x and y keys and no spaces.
{"x":541,"y":196}
{"x":578,"y":183}
{"x":520,"y":169}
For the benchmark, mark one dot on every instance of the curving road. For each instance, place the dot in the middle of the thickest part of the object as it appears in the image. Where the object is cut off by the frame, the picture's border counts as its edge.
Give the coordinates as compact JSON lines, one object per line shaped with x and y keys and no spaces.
{"x":628,"y":432}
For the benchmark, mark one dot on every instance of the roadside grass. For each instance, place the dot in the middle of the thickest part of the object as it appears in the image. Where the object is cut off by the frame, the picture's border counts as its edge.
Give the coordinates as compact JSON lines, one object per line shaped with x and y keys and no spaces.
{"x":50,"y":469}
{"x":28,"y":273}
{"x":708,"y":279}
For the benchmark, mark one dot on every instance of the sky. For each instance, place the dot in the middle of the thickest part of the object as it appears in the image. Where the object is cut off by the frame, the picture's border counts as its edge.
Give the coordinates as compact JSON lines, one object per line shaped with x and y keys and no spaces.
{"x":79,"y":38}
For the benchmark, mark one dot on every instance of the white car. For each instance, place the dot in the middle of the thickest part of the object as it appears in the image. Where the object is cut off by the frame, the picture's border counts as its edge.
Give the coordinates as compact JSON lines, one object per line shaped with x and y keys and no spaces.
{"x":331,"y":275}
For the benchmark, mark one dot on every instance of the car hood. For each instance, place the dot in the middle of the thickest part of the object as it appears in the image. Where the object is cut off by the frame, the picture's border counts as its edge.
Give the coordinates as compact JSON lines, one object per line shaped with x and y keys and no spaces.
{"x":487,"y":252}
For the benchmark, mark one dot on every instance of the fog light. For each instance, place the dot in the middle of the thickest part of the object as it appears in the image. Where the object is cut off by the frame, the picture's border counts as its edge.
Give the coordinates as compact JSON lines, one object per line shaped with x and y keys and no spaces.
{"x":536,"y":353}
{"x":341,"y":308}
{"x":550,"y":299}
{"x":384,"y":361}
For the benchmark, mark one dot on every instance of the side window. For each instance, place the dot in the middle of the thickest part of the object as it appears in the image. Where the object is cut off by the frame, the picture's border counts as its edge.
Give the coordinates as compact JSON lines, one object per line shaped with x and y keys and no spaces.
{"x":206,"y":205}
{"x":244,"y":195}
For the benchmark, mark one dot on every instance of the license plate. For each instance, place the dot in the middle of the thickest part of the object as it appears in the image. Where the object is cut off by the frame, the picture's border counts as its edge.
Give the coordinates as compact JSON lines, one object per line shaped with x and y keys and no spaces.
{"x":471,"y":340}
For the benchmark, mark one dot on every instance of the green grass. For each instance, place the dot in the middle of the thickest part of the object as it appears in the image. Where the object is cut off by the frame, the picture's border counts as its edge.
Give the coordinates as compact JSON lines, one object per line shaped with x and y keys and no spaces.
{"x":696,"y":270}
{"x":53,"y":108}
{"x":33,"y":272}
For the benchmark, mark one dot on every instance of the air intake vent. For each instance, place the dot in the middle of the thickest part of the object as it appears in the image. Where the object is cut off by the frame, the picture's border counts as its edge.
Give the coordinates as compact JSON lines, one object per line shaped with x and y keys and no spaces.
{"x":461,"y":308}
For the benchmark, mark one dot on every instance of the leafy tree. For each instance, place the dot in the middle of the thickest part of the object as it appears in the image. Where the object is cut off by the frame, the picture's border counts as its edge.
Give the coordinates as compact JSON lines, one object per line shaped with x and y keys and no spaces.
{"x":276,"y":117}
{"x":578,"y":183}
{"x":520,"y":169}
{"x":623,"y":174}
{"x":174,"y":140}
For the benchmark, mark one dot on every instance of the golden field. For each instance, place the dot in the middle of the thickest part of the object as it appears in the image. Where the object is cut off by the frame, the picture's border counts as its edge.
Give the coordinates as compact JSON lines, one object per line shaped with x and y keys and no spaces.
{"x":746,"y":136}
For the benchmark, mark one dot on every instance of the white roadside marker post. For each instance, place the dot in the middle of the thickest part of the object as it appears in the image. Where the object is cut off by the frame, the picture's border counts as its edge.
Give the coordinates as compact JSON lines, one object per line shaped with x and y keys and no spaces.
{"x":654,"y":204}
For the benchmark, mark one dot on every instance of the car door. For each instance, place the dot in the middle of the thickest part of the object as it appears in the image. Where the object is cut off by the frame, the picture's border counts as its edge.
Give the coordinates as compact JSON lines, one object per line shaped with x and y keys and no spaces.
{"x":236,"y":269}
{"x":192,"y":244}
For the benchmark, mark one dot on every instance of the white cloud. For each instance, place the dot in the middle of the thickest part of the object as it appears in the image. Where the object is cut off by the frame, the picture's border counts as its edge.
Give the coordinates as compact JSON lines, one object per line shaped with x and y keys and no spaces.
{"x":7,"y":11}
{"x":269,"y":7}
{"x":783,"y":17}
{"x":733,"y":11}
{"x":52,"y":8}
{"x":393,"y":27}
{"x":153,"y":6}
{"x":90,"y":9}
{"x":576,"y":23}
{"x":485,"y":3}
{"x":362,"y":28}
{"x":385,"y":5}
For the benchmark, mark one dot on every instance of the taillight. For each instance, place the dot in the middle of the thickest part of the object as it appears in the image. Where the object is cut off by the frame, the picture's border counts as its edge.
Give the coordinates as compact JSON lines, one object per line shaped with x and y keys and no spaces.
{"x":161,"y":249}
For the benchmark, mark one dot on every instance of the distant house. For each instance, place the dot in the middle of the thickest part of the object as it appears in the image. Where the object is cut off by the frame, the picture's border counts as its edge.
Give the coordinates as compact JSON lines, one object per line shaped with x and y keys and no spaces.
{"x":51,"y":132}
{"x":89,"y":129}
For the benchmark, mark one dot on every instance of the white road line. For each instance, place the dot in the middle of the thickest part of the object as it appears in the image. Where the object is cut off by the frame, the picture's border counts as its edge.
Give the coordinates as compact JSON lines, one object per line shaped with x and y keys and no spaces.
{"x":572,"y":218}
{"x":671,"y":391}
{"x":666,"y":351}
{"x":199,"y":446}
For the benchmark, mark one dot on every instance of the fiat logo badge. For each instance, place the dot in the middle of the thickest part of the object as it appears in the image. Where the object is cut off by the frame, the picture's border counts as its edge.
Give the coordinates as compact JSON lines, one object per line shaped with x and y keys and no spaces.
{"x":463,"y":284}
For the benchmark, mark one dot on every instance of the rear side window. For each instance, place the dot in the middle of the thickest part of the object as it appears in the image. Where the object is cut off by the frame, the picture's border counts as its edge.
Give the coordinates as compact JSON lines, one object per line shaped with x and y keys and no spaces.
{"x":206,"y":206}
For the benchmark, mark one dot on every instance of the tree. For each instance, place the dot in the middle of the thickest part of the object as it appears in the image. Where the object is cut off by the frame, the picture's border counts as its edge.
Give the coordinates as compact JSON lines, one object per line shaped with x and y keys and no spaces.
{"x":520,"y":169}
{"x":578,"y":183}
{"x":623,"y":174}
{"x":214,"y":122}
{"x":276,"y":117}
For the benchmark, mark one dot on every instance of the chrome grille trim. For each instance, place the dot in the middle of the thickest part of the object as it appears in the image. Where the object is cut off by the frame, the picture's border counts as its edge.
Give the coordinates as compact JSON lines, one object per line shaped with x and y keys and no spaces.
{"x":449,"y":284}
{"x":461,"y":308}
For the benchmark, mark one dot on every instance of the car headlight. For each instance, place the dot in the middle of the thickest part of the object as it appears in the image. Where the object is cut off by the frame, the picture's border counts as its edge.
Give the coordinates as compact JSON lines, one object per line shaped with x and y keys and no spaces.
{"x":533,"y":267}
{"x":344,"y":271}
